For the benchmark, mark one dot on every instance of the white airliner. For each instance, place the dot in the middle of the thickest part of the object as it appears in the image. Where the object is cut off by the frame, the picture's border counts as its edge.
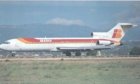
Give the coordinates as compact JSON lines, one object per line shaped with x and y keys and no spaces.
{"x":98,"y":41}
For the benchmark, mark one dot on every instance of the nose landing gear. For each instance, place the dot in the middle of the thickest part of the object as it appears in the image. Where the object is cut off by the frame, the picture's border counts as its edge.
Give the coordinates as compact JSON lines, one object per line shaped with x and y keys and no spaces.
{"x":13,"y":54}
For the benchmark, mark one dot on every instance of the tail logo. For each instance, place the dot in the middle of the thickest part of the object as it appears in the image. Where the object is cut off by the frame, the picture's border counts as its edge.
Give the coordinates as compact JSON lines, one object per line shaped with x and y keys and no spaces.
{"x":117,"y":33}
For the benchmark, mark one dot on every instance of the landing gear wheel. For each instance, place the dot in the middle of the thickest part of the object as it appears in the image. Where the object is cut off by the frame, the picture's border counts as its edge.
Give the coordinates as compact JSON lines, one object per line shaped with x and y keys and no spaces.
{"x":13,"y":54}
{"x":78,"y":54}
{"x":67,"y":53}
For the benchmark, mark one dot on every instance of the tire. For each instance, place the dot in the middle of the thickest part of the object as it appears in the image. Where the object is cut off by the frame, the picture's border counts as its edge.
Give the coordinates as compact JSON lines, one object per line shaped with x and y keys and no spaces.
{"x":78,"y":54}
{"x":68,"y":53}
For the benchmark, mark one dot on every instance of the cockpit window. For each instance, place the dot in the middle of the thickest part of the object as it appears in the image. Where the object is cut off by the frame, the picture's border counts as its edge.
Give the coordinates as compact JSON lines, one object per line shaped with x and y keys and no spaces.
{"x":6,"y":42}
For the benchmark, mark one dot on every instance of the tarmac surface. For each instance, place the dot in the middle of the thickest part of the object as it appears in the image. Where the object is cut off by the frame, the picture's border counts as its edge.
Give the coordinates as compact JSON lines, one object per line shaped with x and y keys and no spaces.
{"x":70,"y":59}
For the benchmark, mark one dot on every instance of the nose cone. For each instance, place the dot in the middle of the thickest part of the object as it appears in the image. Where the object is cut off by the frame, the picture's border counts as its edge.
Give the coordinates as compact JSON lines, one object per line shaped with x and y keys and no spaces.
{"x":3,"y":47}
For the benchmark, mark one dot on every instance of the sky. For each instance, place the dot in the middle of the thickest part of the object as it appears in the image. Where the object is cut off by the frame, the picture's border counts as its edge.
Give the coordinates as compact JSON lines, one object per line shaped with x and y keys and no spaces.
{"x":67,"y":12}
{"x":94,"y":14}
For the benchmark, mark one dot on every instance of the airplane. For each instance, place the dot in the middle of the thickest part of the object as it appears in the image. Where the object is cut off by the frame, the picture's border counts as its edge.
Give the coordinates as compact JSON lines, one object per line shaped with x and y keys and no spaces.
{"x":97,"y":41}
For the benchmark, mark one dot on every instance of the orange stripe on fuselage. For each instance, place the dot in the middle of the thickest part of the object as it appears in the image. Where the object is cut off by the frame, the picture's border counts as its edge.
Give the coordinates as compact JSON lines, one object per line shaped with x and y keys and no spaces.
{"x":28,"y":40}
{"x":49,"y":41}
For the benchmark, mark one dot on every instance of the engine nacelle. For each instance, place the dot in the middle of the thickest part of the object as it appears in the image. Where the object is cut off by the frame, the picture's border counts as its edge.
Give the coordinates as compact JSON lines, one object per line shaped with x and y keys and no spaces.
{"x":101,"y":42}
{"x":100,"y":34}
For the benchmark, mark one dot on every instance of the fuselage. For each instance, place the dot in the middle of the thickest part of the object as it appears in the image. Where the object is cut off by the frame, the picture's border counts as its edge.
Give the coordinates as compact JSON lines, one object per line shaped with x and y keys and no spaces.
{"x":55,"y":44}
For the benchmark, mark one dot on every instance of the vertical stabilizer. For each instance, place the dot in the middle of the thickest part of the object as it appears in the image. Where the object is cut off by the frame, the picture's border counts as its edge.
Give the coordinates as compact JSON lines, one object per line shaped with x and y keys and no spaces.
{"x":118,"y":32}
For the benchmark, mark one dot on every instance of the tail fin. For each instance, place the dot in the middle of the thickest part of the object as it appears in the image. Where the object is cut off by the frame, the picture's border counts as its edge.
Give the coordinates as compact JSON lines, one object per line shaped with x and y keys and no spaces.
{"x":118,"y":32}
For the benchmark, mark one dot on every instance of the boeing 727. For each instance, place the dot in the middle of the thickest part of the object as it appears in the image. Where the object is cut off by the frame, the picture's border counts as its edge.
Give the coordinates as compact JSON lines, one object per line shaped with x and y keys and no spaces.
{"x":98,"y":41}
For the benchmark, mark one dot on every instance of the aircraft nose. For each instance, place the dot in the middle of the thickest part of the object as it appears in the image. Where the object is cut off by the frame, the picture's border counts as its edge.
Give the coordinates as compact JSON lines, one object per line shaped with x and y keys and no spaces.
{"x":3,"y":47}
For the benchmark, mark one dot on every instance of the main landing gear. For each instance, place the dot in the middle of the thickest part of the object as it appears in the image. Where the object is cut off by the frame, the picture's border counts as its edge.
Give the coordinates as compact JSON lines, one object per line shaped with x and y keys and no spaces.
{"x":11,"y":54}
{"x":67,"y":53}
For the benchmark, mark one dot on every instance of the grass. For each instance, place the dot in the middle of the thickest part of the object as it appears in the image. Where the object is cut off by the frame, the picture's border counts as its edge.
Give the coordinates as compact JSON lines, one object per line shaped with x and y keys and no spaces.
{"x":70,"y":72}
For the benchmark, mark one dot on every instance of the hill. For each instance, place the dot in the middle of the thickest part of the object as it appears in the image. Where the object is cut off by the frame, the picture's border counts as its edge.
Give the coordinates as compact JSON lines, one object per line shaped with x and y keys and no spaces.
{"x":43,"y":30}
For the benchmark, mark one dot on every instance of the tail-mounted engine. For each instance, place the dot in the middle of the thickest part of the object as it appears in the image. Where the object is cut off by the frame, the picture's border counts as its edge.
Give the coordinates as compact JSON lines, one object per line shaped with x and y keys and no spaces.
{"x":100,"y":35}
{"x":101,"y":42}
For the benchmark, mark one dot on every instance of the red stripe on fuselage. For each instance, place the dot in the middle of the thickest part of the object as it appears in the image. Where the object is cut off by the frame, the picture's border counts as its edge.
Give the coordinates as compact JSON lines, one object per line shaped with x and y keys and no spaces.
{"x":70,"y":40}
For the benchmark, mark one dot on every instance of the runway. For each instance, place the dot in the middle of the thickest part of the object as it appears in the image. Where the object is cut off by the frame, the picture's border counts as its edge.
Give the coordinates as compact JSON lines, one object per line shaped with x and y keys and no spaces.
{"x":70,"y":59}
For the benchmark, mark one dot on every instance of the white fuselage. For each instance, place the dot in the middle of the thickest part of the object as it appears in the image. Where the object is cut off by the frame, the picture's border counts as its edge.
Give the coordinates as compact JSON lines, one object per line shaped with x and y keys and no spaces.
{"x":53,"y":44}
